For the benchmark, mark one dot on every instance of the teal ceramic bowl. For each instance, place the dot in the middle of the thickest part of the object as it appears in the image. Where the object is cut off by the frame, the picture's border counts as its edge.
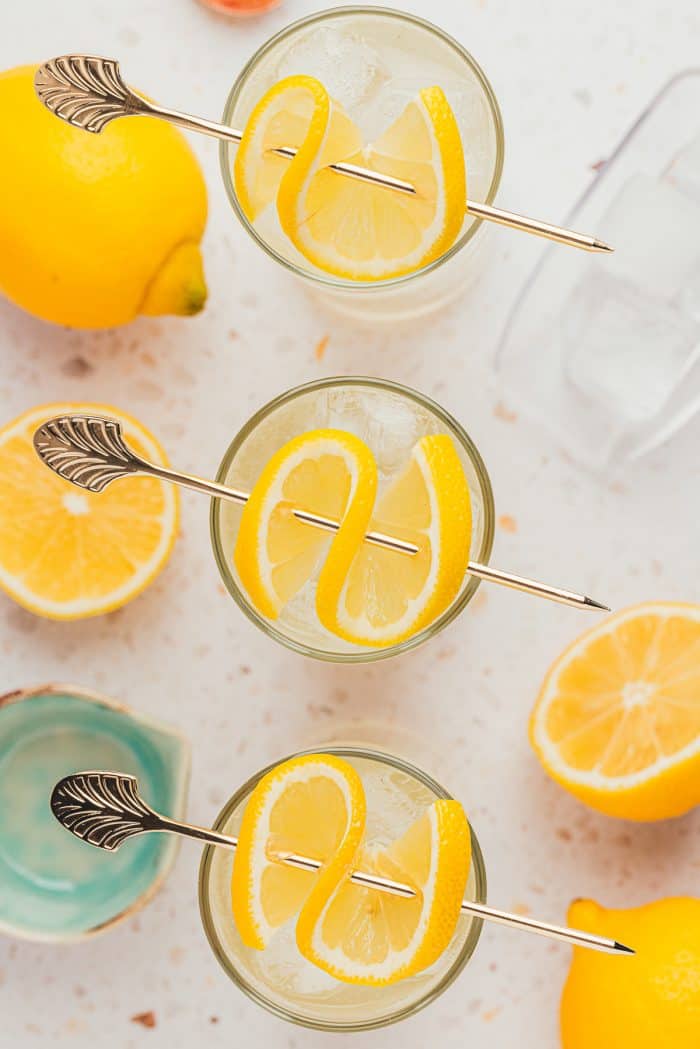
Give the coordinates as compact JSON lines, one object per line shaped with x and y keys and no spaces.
{"x":54,"y":887}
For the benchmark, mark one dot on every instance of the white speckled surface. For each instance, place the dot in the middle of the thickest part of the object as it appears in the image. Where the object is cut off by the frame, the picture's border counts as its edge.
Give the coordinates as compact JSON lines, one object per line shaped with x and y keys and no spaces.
{"x":570,"y":78}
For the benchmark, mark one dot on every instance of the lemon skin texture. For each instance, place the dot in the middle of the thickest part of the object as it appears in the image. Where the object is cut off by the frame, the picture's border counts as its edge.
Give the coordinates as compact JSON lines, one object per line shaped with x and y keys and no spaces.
{"x":96,"y":228}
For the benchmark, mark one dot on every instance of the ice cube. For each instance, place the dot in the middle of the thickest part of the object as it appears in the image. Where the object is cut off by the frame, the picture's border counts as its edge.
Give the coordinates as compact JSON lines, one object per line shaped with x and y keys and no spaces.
{"x":626,"y":350}
{"x":389,"y":423}
{"x":684,"y":170}
{"x":351,"y":70}
{"x":343,"y":408}
{"x":653,"y":227}
{"x":395,"y":425}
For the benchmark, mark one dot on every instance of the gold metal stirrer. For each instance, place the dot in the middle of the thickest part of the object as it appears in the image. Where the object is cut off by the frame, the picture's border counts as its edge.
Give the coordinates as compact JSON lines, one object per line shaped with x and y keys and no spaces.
{"x":90,"y":452}
{"x":88,"y":92}
{"x":105,"y":809}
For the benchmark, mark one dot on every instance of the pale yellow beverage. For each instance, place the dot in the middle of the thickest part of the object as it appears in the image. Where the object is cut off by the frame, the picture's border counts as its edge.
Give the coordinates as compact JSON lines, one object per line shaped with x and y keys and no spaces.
{"x":390,"y":419}
{"x":279,"y":978}
{"x":374,"y":61}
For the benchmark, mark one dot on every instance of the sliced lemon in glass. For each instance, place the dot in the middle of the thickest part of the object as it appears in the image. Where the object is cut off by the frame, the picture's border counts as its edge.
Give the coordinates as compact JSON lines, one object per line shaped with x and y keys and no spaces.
{"x":363,"y":936}
{"x":349,"y":228}
{"x":313,"y":806}
{"x":327,"y":472}
{"x":296,"y":112}
{"x":386,"y":597}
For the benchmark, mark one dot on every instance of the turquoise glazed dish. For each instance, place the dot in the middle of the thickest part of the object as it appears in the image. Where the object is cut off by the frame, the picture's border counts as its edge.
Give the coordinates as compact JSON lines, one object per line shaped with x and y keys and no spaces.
{"x":54,"y":887}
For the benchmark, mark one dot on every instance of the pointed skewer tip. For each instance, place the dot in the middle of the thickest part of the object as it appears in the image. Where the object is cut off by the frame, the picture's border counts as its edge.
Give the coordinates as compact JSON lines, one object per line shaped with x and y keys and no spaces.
{"x":622,"y":949}
{"x":600,"y":245}
{"x":590,"y":603}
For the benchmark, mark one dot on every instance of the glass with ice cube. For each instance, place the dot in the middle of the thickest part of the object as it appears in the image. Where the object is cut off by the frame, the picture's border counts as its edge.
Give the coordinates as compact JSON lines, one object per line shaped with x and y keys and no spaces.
{"x":390,"y":419}
{"x":284,"y":982}
{"x":374,"y":61}
{"x":607,"y":356}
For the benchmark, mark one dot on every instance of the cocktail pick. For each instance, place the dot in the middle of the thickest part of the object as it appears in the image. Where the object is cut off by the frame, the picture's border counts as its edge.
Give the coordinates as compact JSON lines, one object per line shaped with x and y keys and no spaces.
{"x":91,"y":452}
{"x":105,"y":809}
{"x":88,"y":92}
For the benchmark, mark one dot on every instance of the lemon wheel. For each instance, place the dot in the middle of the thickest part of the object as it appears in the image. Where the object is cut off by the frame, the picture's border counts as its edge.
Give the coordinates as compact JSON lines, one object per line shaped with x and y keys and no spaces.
{"x":386,"y":597}
{"x":327,"y":472}
{"x":363,"y":936}
{"x":312,"y":805}
{"x":348,"y":228}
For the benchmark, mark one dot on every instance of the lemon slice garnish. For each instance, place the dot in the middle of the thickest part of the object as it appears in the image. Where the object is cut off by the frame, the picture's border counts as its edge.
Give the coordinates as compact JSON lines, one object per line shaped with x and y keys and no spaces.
{"x":327,"y":472}
{"x":297,"y":112}
{"x":312,"y":806}
{"x":347,"y":228}
{"x":363,"y":936}
{"x":386,"y":597}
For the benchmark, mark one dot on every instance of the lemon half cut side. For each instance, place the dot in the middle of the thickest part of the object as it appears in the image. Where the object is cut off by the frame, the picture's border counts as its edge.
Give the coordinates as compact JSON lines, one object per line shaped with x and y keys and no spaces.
{"x":66,"y":553}
{"x":617,"y":721}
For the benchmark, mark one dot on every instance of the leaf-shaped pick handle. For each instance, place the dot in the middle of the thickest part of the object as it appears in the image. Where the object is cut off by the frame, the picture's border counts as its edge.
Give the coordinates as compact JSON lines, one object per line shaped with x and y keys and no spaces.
{"x":86,"y":91}
{"x":86,"y":450}
{"x":102,"y":808}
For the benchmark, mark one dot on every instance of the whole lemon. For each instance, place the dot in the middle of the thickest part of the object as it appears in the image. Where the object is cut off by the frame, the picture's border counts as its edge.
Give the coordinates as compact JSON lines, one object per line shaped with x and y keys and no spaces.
{"x":95,"y":229}
{"x":648,"y":1001}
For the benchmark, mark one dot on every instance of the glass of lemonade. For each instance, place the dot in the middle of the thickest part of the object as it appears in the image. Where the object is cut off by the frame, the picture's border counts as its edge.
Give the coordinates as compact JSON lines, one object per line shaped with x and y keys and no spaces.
{"x":373,"y":61}
{"x":284,"y":982}
{"x":390,"y":418}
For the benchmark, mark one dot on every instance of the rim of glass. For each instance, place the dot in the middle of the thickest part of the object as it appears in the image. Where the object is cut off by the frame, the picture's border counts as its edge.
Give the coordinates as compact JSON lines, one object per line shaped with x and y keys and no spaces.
{"x":482,"y":556}
{"x":340,"y":12}
{"x":298,"y":1018}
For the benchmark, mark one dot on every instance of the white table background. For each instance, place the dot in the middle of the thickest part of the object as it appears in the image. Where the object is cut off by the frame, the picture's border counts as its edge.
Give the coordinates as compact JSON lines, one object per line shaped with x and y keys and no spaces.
{"x":571,"y":76}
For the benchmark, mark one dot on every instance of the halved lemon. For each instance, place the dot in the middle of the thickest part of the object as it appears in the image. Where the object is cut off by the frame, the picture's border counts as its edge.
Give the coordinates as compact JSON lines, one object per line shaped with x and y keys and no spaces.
{"x":364,"y":936}
{"x":313,"y":806}
{"x":386,"y":597}
{"x":327,"y":472}
{"x":346,"y":227}
{"x":617,"y":722}
{"x":67,"y":553}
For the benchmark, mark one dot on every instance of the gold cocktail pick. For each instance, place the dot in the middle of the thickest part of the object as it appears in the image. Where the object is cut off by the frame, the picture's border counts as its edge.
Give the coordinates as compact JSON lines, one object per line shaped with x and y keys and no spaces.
{"x":90,"y":452}
{"x":88,"y":92}
{"x":105,"y":809}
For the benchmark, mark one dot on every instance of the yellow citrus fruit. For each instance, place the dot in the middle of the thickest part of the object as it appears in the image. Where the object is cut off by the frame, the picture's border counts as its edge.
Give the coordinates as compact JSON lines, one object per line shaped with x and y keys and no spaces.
{"x":363,"y":936}
{"x":299,"y":112}
{"x":313,"y":806}
{"x":645,"y":1001}
{"x":67,"y":553}
{"x":345,"y":227}
{"x":327,"y":472}
{"x":96,"y":229}
{"x":385,"y":596}
{"x":617,"y":721}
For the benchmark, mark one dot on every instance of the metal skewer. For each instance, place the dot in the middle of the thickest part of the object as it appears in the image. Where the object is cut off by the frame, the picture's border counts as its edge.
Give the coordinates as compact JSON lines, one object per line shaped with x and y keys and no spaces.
{"x":88,"y":92}
{"x":91,"y":452}
{"x":105,"y":809}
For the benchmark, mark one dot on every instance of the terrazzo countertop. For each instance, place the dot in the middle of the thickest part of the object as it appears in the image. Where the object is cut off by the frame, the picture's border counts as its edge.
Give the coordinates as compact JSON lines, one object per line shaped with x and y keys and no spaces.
{"x":570,"y":77}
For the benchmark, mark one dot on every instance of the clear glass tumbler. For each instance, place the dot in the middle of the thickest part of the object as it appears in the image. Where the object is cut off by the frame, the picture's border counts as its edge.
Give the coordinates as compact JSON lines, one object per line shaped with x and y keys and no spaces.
{"x":374,"y":60}
{"x":390,"y":418}
{"x":278,"y":978}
